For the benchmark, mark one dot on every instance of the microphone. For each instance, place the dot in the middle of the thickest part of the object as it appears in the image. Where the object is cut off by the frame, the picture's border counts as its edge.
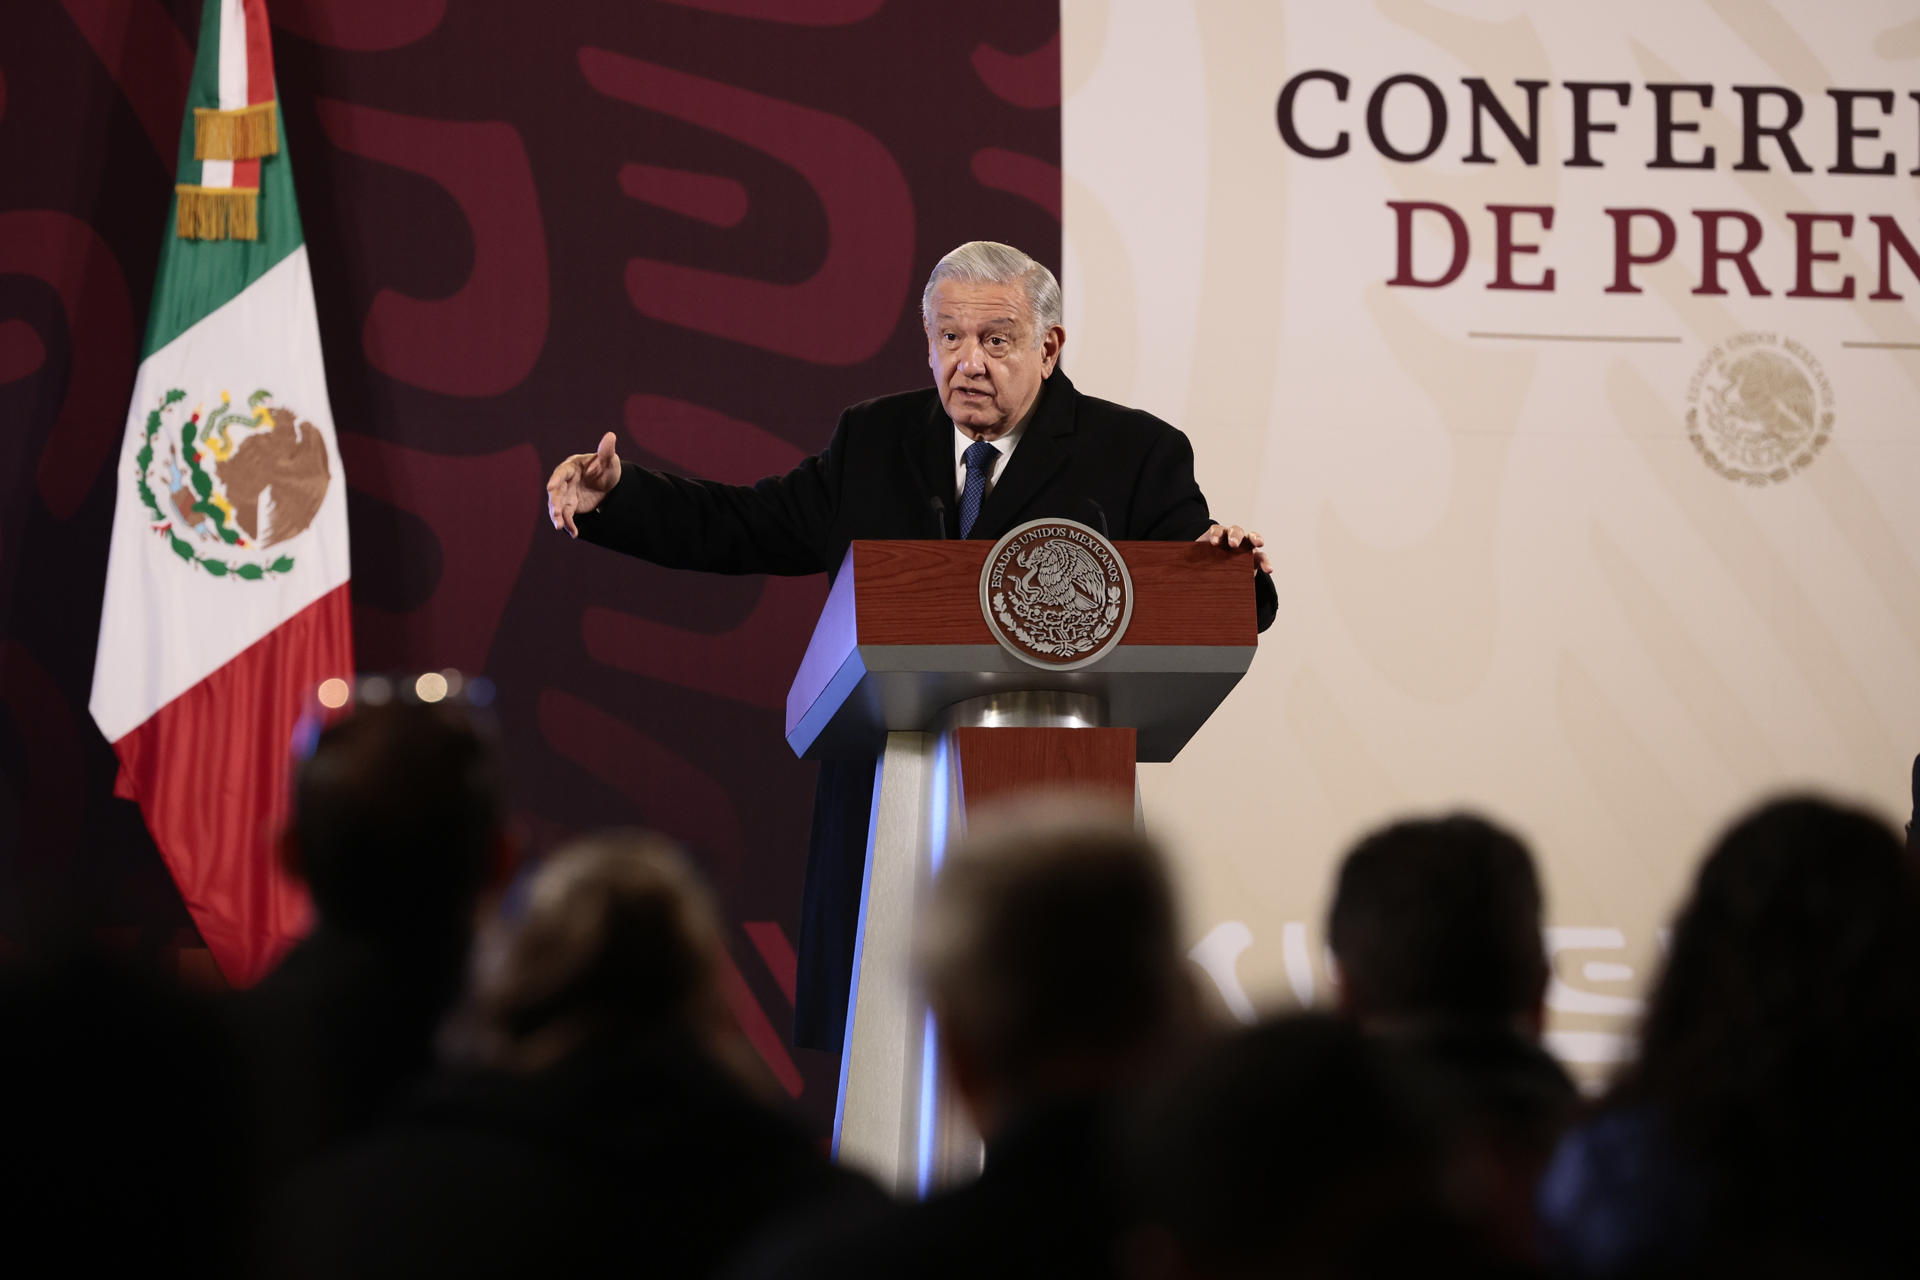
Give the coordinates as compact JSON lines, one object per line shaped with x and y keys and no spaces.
{"x":939,"y":505}
{"x":1099,"y":517}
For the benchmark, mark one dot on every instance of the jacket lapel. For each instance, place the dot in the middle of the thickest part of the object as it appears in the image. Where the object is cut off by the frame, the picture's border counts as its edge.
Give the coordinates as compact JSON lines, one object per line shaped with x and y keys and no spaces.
{"x":929,"y":456}
{"x":1043,"y":450}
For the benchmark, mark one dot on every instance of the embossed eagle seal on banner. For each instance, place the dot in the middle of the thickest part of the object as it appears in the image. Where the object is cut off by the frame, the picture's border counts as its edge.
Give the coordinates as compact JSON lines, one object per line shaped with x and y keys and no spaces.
{"x":1759,"y":408}
{"x":1056,"y":594}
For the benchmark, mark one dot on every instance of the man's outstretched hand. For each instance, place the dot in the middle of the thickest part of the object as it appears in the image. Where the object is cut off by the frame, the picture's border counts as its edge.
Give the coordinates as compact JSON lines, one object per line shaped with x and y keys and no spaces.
{"x":1234,"y":538}
{"x":580,"y":482}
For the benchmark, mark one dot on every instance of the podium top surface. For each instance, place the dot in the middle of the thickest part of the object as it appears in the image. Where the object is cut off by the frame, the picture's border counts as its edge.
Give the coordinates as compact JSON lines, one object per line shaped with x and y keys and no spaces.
{"x":902,"y":637}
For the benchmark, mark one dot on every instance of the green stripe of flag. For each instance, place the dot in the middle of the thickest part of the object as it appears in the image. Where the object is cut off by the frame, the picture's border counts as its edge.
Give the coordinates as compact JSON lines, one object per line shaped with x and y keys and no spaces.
{"x":197,"y":277}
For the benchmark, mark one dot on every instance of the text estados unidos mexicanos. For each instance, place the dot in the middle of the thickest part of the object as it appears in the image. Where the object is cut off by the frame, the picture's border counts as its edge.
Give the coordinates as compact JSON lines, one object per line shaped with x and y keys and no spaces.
{"x":1080,"y":536}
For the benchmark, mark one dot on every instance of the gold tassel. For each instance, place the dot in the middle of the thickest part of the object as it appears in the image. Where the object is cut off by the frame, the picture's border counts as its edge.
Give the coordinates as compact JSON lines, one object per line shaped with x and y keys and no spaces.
{"x":245,"y":133}
{"x":217,"y":213}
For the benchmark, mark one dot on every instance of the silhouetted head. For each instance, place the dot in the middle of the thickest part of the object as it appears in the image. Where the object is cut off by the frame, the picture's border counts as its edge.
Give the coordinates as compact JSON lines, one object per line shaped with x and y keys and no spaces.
{"x":128,"y":1121}
{"x":1782,"y":1040}
{"x":1793,"y":960}
{"x":618,"y":941}
{"x":1296,"y":1147}
{"x":398,"y":821}
{"x":1913,"y":841}
{"x":1438,"y":919}
{"x":1050,"y":954}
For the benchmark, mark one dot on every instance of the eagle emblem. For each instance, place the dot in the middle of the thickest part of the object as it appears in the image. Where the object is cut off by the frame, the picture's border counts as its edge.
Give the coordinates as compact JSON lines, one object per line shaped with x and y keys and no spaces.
{"x":1056,"y":593}
{"x":226,"y":486}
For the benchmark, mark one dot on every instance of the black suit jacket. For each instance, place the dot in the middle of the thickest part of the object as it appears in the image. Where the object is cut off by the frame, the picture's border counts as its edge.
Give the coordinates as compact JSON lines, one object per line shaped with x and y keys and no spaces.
{"x":1047,"y":1205}
{"x":1080,"y":458}
{"x":339,"y":1031}
{"x":635,"y":1160}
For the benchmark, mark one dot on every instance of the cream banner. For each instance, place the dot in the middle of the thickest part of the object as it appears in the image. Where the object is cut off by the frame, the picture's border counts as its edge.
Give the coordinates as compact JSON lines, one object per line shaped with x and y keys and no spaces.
{"x":1567,"y":356}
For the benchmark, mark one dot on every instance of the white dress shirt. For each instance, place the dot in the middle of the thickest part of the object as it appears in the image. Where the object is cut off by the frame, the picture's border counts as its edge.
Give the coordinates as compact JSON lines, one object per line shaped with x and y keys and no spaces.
{"x":1004,"y":445}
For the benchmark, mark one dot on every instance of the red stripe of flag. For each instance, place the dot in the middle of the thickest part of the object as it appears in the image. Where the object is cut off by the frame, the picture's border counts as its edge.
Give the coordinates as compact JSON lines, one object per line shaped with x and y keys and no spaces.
{"x":259,"y":53}
{"x":210,"y":771}
{"x":260,"y":86}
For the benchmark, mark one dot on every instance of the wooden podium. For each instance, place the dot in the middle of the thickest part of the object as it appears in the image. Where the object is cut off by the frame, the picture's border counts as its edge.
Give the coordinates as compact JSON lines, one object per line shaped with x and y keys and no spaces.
{"x":903,"y":667}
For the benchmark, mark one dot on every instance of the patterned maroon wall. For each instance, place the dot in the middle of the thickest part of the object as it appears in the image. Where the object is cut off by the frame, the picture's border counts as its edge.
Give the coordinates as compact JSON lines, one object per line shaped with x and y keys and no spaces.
{"x":703,"y":223}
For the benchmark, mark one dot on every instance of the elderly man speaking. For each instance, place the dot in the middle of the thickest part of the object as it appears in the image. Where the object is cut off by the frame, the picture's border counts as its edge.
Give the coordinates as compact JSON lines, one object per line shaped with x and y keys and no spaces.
{"x":1002,"y":437}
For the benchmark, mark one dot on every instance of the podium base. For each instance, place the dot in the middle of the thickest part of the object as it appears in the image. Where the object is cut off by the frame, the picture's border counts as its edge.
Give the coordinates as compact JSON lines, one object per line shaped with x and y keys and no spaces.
{"x":897,"y":1118}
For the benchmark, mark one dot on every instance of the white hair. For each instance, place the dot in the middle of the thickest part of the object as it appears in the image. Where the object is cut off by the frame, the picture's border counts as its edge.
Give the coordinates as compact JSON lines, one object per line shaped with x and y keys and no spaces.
{"x":990,"y":262}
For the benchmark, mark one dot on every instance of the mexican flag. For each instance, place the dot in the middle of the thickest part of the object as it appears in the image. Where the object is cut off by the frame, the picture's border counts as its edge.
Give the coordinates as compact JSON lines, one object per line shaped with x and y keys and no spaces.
{"x":226,"y":602}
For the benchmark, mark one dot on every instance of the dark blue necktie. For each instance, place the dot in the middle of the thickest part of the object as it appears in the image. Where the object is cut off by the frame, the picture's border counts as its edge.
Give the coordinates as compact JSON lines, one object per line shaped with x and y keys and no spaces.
{"x":979,"y":459}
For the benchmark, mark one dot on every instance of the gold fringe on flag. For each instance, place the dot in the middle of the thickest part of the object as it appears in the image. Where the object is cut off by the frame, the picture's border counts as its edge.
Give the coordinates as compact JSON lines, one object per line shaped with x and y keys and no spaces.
{"x":217,"y":213}
{"x":244,"y":133}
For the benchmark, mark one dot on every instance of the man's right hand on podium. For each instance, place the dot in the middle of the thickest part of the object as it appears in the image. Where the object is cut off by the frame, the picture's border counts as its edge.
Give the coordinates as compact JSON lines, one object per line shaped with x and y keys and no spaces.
{"x":580,"y":482}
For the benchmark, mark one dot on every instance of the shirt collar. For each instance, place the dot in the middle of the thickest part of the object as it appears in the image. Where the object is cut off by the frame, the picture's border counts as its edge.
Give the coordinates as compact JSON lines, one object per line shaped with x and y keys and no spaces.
{"x":1003,"y":443}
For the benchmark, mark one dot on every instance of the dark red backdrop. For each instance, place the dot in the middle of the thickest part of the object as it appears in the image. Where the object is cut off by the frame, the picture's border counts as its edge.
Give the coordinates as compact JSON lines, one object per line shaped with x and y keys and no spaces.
{"x":702,"y":223}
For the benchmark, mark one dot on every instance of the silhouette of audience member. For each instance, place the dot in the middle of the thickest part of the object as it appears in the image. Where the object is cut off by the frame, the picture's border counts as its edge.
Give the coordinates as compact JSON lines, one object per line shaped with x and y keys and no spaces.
{"x":1768,"y":1122}
{"x":1913,"y":841}
{"x":1051,"y":960}
{"x":126,"y":1147}
{"x":611,"y":1121}
{"x":1436,"y":922}
{"x":397,"y":830}
{"x":1436,"y":930}
{"x":1298,"y":1147}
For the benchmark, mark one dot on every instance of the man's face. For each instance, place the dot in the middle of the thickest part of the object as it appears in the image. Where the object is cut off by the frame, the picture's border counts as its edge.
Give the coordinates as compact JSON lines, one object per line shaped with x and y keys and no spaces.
{"x":985,"y":361}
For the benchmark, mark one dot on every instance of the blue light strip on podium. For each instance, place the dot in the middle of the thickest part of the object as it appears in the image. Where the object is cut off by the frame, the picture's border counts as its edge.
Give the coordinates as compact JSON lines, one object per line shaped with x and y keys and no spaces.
{"x":943,"y":783}
{"x":859,"y":951}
